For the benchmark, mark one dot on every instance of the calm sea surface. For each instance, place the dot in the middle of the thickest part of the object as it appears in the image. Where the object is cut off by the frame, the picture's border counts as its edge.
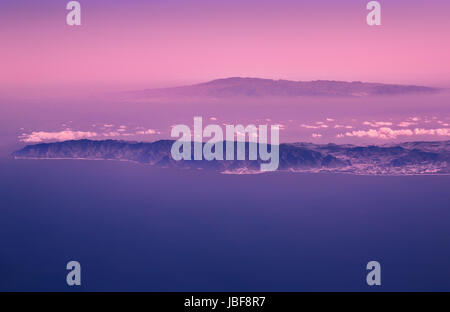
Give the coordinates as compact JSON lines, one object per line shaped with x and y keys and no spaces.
{"x":137,"y":228}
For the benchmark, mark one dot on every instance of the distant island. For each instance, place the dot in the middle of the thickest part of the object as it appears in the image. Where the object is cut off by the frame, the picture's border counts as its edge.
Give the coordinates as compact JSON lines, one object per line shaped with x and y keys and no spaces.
{"x":257,"y":87}
{"x":411,"y":158}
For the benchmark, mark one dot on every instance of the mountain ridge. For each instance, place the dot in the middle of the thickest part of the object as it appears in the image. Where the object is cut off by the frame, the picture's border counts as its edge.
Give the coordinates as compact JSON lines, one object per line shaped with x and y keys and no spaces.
{"x":261,"y":87}
{"x":407,"y":158}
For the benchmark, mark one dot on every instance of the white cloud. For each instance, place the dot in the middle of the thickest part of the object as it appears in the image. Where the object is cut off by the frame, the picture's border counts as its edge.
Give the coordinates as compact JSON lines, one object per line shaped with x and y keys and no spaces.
{"x":405,"y":124}
{"x":388,"y":133}
{"x":148,"y":131}
{"x":316,"y":135}
{"x":438,"y":132}
{"x":308,"y":126}
{"x":382,"y":133}
{"x":377,"y":124}
{"x":41,"y":136}
{"x":342,"y":126}
{"x":112,"y":134}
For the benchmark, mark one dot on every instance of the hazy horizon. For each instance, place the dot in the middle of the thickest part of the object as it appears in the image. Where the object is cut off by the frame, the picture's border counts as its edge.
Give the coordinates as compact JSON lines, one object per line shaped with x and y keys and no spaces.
{"x":139,"y":44}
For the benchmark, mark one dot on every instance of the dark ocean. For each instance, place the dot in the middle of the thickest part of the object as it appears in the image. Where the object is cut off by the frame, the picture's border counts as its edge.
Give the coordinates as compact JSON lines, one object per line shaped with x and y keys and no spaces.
{"x":137,"y":228}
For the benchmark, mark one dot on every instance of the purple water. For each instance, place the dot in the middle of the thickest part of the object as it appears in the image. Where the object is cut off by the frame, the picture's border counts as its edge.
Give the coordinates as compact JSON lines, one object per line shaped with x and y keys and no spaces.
{"x":134,"y":227}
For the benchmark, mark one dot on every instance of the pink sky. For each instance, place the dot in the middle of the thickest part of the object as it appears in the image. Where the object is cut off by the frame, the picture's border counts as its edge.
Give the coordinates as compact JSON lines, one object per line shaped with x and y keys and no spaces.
{"x":141,"y":44}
